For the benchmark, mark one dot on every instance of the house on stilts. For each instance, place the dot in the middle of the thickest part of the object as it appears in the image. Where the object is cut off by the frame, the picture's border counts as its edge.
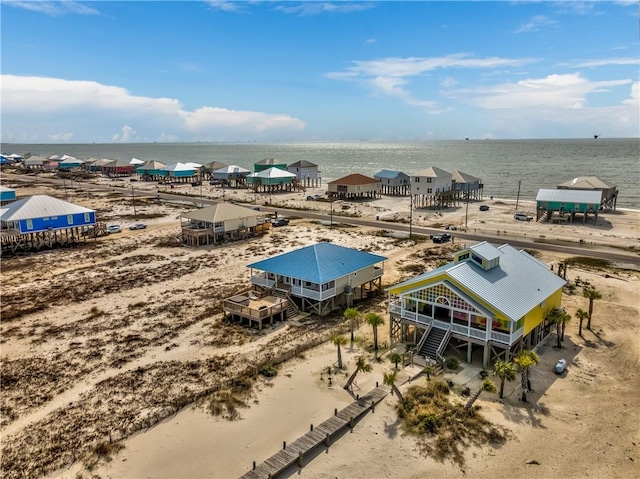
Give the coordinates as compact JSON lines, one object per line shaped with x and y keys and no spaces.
{"x":592,"y":183}
{"x":319,"y":278}
{"x":394,"y":183}
{"x":354,"y":186}
{"x":43,"y":222}
{"x":562,"y":206}
{"x":431,"y":187}
{"x":486,"y":304}
{"x":307,"y":173}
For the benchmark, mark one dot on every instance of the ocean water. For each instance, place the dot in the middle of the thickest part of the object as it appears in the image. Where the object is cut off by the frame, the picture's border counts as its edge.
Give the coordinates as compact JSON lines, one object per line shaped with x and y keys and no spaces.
{"x":501,"y":164}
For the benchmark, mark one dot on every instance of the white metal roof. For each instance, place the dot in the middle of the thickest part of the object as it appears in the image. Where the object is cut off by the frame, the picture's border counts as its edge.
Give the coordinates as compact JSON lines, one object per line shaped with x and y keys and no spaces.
{"x":570,"y":196}
{"x":136,"y":161}
{"x":433,"y":172}
{"x":486,"y":251}
{"x":221,"y":212}
{"x":40,"y":206}
{"x":272,"y":172}
{"x":514,"y":287}
{"x":178,"y":167}
{"x":586,"y":183}
{"x":460,"y":177}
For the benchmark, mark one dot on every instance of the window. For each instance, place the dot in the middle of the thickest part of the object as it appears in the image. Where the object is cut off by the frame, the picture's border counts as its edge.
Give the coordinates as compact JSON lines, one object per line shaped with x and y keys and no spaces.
{"x":70,"y":219}
{"x":416,"y":179}
{"x":29,"y":224}
{"x":87,"y":217}
{"x":429,"y":190}
{"x":463,"y":256}
{"x":429,"y":180}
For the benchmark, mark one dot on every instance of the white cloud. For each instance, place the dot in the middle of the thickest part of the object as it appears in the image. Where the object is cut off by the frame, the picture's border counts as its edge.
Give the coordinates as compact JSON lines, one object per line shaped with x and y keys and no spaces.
{"x":370,"y":41}
{"x":604,"y":62}
{"x":308,"y":8}
{"x":535,"y":24}
{"x":60,"y":137}
{"x":128,"y":134}
{"x":53,"y":8}
{"x":388,"y":75}
{"x":32,"y":101}
{"x":233,"y":7}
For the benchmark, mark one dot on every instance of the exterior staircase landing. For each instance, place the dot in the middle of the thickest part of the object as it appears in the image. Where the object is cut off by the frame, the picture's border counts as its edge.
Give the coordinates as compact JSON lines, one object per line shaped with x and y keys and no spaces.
{"x":433,"y":342}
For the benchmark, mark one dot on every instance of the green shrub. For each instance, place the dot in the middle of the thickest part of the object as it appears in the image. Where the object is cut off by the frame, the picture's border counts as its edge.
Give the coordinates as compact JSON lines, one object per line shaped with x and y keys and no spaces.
{"x":452,"y":363}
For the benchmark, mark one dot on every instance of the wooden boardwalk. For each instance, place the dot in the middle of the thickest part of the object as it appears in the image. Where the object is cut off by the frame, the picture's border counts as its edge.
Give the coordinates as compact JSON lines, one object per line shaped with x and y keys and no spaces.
{"x":323,"y":433}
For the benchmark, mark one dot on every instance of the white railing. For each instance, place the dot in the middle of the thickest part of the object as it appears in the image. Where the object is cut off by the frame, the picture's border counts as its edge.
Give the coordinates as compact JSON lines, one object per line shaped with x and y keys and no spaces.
{"x":409,"y":315}
{"x":261,"y":280}
{"x":500,"y":337}
{"x":423,"y":339}
{"x":478,"y":333}
{"x":377,"y":272}
{"x":441,"y":324}
{"x":395,"y":308}
{"x":517,"y":334}
{"x":422,"y":319}
{"x":458,"y":328}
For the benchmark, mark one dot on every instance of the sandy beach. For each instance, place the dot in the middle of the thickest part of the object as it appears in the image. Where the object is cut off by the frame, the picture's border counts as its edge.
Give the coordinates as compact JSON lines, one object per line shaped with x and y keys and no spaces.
{"x":122,"y":339}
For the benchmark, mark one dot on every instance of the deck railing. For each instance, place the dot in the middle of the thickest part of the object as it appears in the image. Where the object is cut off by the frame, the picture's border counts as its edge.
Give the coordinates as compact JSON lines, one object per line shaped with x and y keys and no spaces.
{"x":254,"y":313}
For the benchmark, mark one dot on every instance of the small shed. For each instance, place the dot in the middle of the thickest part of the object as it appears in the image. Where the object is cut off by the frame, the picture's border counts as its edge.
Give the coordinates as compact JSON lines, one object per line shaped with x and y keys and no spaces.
{"x":592,"y":183}
{"x":354,"y":186}
{"x":567,"y":203}
{"x":269,"y":163}
{"x":394,"y":183}
{"x":307,"y":173}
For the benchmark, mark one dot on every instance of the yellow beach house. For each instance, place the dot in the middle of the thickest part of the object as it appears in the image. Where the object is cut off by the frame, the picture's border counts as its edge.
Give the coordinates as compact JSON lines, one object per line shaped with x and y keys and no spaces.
{"x":487,"y":303}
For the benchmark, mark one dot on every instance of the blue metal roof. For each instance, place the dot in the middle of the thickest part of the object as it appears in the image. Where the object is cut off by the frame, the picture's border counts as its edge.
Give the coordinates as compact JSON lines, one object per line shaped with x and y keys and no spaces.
{"x":318,"y":263}
{"x":389,"y":174}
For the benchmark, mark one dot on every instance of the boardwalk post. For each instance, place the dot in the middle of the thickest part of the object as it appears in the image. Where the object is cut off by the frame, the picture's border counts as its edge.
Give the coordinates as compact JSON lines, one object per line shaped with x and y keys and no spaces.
{"x":312,"y":427}
{"x":300,"y":459}
{"x":327,"y":441}
{"x":284,"y":445}
{"x":358,"y":397}
{"x":377,"y":384}
{"x":254,"y":465}
{"x":351,"y":423}
{"x":373,"y":407}
{"x":335,"y":412}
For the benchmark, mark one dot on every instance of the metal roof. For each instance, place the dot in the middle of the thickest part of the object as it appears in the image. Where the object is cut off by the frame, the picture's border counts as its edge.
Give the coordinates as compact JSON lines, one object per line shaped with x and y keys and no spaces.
{"x":460,"y":177}
{"x":433,"y":172}
{"x":269,"y":161}
{"x":514,"y":287}
{"x":570,"y":196}
{"x":272,"y":172}
{"x":354,"y":179}
{"x":486,"y":251}
{"x":40,"y":206}
{"x":389,"y":174}
{"x":303,"y":164}
{"x":585,"y":183}
{"x":6,"y":189}
{"x":318,"y":263}
{"x":178,"y":167}
{"x":152,"y":165}
{"x":221,"y":212}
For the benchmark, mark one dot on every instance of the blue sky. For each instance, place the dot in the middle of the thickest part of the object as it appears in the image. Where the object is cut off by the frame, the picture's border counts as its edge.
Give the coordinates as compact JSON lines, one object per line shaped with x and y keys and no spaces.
{"x":267,"y":71}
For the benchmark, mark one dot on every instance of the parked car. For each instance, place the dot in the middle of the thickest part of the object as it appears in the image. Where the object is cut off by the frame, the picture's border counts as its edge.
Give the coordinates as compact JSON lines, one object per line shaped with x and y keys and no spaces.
{"x":315,"y":197}
{"x":138,"y":226}
{"x":257,"y":208}
{"x":484,"y":207}
{"x":441,"y":238}
{"x":522,"y":217}
{"x":280,"y":222}
{"x":114,"y":229}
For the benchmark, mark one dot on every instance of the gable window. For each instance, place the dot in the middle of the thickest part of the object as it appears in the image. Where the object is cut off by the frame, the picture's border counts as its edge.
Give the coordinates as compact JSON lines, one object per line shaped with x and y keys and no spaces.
{"x":429,"y":180}
{"x":87,"y":217}
{"x":29,"y":224}
{"x":70,"y":219}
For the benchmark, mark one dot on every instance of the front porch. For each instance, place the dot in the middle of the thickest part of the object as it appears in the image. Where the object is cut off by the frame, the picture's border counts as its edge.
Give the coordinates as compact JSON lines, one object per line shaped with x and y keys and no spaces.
{"x":255,"y":308}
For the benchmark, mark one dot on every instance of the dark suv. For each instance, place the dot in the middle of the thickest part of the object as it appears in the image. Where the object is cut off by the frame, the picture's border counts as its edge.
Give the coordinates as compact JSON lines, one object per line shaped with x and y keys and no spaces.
{"x":441,"y":238}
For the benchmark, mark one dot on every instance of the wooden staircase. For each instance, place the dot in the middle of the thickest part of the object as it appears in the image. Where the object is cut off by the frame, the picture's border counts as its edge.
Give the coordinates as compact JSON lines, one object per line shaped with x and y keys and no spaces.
{"x":280,"y":292}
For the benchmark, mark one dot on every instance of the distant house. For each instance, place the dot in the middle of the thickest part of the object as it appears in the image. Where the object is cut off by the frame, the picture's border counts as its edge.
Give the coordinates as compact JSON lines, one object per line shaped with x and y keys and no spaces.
{"x":354,"y":186}
{"x":136,"y":162}
{"x":95,"y":165}
{"x":34,"y":162}
{"x":179,"y":170}
{"x":393,"y":182}
{"x":70,"y":164}
{"x":307,"y":173}
{"x":151,"y":169}
{"x":271,"y":179}
{"x":489,"y":300}
{"x":467,"y":184}
{"x":567,"y":203}
{"x":117,"y":168}
{"x":269,"y":163}
{"x":7,"y":195}
{"x":231,"y":175}
{"x":430,"y":187}
{"x":221,"y":222}
{"x":592,"y":183}
{"x":321,"y":277}
{"x":41,"y":221}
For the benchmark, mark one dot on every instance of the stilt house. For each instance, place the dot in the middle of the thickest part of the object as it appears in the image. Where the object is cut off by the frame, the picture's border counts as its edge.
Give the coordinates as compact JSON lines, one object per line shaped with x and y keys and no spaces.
{"x":394,"y":183}
{"x":488,"y":301}
{"x":307,"y":173}
{"x":321,"y":277}
{"x":354,"y":186}
{"x":567,"y":204}
{"x":591,"y":183}
{"x":431,"y":187}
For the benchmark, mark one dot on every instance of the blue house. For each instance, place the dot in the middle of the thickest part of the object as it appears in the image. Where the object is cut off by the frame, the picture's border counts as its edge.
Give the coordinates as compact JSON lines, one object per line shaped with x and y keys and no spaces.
{"x":42,"y":213}
{"x":393,"y":182}
{"x":321,"y":277}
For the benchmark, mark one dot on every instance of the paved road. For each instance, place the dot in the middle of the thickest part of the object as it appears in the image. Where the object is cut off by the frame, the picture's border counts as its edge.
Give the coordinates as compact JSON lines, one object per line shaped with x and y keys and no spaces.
{"x":589,"y":250}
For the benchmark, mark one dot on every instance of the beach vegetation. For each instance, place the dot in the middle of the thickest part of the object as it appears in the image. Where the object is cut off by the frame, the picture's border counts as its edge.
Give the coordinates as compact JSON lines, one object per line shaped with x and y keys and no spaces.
{"x":374,"y":320}
{"x":592,"y":294}
{"x":362,"y":366}
{"x":390,"y":379}
{"x":524,"y":361}
{"x":429,"y":370}
{"x":395,"y":358}
{"x":581,"y":315}
{"x":506,"y":371}
{"x":353,"y":315}
{"x":442,"y":425}
{"x":452,"y":363}
{"x":339,"y":341}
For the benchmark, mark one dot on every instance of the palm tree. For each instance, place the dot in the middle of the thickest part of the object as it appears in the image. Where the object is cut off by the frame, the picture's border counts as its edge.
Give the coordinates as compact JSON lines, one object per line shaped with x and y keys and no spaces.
{"x":339,"y":341}
{"x":374,"y":320}
{"x":395,"y":358}
{"x":351,"y":314}
{"x":487,"y":385}
{"x":591,"y":294}
{"x":506,"y":371}
{"x":390,"y":380}
{"x":429,"y":369}
{"x":559,"y":317}
{"x":581,"y":314}
{"x":525,"y":359}
{"x":361,"y":366}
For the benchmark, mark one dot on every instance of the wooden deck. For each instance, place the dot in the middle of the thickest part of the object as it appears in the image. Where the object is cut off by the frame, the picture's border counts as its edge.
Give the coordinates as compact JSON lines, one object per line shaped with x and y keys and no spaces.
{"x":322,"y":434}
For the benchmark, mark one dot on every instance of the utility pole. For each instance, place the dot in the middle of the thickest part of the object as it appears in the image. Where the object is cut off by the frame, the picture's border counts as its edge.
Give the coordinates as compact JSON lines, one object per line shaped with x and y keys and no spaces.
{"x":64,"y":182}
{"x":410,"y":216}
{"x":133,"y":200}
{"x":466,"y":214}
{"x":331,"y":215}
{"x":518,"y":196}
